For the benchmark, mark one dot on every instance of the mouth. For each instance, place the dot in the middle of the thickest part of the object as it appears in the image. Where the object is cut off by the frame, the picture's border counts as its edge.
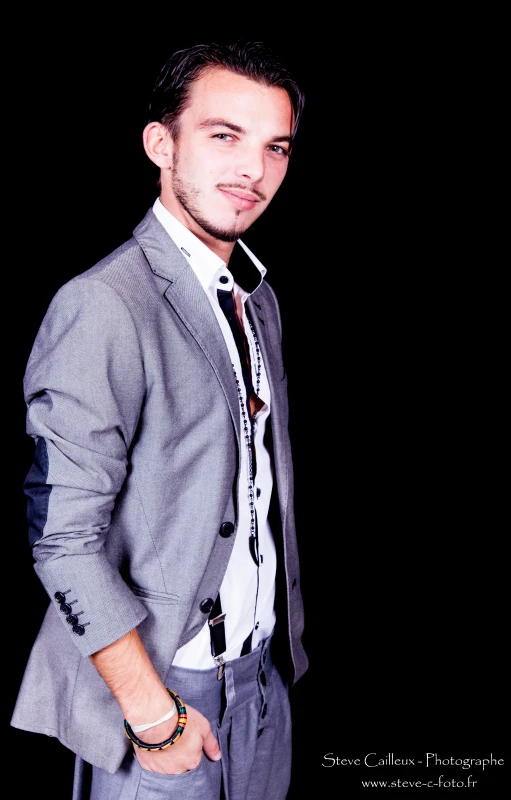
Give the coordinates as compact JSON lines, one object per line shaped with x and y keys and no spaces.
{"x":240,"y":199}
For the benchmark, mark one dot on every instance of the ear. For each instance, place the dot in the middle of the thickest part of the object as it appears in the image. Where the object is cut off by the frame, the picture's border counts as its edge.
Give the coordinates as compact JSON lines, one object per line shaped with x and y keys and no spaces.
{"x":158,"y":144}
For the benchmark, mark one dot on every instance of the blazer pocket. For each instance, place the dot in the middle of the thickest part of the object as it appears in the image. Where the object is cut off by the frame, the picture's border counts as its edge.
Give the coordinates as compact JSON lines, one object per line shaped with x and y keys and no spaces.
{"x":155,"y":597}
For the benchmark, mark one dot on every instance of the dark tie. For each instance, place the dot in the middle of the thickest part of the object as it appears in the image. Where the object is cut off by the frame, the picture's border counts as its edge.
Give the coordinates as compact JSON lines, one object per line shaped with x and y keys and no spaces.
{"x":226,"y":301}
{"x":216,"y":618}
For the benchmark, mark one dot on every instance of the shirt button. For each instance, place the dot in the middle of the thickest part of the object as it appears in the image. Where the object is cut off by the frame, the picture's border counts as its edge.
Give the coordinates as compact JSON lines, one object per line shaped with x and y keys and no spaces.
{"x":224,"y":279}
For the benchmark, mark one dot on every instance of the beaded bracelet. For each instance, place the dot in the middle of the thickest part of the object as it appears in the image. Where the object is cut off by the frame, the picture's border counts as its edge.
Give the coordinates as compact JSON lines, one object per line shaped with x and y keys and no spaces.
{"x":181,"y":724}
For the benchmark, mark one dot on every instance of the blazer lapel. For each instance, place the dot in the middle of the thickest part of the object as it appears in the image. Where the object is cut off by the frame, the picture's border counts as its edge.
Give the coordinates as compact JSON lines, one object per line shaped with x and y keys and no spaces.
{"x":193,"y":307}
{"x":188,"y":299}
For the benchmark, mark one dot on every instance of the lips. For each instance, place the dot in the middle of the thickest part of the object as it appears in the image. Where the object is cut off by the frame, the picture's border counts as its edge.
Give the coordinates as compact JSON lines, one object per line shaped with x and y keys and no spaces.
{"x":242,"y":200}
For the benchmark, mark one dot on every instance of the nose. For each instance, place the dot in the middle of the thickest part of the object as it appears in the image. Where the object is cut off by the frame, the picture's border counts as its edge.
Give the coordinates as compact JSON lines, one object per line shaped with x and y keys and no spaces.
{"x":250,"y":164}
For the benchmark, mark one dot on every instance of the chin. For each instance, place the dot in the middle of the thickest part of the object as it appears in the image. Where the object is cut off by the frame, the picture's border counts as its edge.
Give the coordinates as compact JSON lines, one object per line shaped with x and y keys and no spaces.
{"x":226,"y":232}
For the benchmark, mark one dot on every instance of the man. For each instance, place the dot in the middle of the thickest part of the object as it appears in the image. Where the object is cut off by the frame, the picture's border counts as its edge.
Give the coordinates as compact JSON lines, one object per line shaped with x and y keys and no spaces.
{"x":160,"y":497}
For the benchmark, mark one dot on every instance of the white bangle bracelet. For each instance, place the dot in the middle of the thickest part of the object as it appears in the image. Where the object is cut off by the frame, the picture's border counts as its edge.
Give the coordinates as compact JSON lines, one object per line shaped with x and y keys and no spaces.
{"x":139,"y":728}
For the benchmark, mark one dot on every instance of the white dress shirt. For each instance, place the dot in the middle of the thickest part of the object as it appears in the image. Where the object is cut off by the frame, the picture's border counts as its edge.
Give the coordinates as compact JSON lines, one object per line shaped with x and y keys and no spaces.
{"x":247,"y":592}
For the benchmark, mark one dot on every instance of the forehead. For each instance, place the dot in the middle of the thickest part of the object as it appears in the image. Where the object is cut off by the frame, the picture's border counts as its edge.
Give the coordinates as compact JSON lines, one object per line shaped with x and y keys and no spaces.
{"x":220,"y":93}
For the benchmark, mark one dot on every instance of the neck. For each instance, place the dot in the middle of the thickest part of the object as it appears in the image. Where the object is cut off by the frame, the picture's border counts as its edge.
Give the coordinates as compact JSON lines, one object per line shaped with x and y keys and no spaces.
{"x":222,"y":249}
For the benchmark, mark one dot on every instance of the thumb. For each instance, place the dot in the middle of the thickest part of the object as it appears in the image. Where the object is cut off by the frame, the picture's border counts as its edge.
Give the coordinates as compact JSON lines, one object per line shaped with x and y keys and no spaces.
{"x":211,"y":747}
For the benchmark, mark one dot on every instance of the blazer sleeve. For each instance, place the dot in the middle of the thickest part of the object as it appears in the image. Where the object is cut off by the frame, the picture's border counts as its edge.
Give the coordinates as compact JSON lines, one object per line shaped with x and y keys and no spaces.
{"x":84,"y":390}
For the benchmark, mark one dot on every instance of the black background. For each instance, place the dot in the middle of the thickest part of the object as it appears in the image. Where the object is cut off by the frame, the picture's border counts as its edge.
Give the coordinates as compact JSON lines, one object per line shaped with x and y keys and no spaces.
{"x":384,"y":260}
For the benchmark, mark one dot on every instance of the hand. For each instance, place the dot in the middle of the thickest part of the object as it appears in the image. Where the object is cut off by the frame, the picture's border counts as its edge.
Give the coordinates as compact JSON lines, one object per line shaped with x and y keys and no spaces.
{"x":186,"y":753}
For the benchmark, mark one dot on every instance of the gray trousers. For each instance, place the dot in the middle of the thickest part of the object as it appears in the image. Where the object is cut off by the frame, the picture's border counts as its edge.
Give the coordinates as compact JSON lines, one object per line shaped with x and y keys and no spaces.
{"x":249,"y":713}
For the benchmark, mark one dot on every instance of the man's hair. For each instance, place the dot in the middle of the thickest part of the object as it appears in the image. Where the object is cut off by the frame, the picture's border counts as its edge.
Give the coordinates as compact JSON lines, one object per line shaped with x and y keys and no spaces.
{"x":253,"y":60}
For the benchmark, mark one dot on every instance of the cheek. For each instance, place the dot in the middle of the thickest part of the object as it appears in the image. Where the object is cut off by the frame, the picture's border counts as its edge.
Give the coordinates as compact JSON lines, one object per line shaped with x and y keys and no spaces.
{"x":213,"y":165}
{"x":197,"y":163}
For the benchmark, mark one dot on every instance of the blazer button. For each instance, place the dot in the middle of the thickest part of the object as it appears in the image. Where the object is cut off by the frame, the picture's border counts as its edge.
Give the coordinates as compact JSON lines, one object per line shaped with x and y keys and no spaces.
{"x":206,"y":605}
{"x":226,"y":529}
{"x":79,"y":630}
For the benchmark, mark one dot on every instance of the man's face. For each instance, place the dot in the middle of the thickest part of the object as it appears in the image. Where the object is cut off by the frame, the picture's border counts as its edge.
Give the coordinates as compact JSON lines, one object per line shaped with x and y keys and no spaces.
{"x":231,"y":155}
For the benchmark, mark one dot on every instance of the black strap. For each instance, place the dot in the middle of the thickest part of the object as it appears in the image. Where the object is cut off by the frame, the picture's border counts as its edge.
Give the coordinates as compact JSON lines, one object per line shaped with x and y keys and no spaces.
{"x":217,"y":632}
{"x":217,"y":629}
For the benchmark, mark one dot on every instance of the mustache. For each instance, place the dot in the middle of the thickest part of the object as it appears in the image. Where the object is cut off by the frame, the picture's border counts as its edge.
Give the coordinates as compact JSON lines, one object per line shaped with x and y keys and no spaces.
{"x":242,"y":186}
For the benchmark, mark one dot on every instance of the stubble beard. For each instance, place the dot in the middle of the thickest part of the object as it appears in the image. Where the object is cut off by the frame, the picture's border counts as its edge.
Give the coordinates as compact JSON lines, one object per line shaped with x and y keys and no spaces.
{"x":189,"y":196}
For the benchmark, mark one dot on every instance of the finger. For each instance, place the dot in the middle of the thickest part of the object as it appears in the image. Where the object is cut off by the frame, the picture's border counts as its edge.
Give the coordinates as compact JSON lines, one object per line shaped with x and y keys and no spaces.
{"x":211,"y":747}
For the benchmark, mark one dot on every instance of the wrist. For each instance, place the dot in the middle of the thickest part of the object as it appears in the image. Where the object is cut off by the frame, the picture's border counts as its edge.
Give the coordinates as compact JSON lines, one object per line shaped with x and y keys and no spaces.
{"x":149,"y":707}
{"x":151,"y":737}
{"x":156,"y":723}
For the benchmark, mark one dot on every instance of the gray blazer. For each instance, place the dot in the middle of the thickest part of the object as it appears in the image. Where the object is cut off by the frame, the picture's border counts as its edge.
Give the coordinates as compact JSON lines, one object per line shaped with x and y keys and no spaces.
{"x":131,"y":400}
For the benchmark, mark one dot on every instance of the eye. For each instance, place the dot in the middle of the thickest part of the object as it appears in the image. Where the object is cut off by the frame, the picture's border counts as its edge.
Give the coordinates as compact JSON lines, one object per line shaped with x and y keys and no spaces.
{"x":278,"y":150}
{"x":223,"y":137}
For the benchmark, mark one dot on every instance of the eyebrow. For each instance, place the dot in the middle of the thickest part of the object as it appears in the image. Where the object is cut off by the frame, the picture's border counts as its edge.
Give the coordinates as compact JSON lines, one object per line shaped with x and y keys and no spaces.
{"x":213,"y":122}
